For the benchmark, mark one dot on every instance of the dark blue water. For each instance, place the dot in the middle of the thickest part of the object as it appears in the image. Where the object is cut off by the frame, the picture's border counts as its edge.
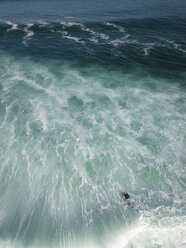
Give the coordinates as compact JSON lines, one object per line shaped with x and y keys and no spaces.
{"x":92,"y":103}
{"x":148,"y":34}
{"x":83,"y":10}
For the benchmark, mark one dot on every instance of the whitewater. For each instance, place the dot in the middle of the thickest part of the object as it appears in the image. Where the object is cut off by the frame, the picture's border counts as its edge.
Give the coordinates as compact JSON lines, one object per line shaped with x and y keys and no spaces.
{"x":90,"y":109}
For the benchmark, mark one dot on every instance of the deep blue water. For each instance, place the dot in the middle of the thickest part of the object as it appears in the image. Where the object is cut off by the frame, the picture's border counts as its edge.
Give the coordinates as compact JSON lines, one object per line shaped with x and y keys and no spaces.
{"x":83,"y":10}
{"x":92,"y":104}
{"x":151,"y":34}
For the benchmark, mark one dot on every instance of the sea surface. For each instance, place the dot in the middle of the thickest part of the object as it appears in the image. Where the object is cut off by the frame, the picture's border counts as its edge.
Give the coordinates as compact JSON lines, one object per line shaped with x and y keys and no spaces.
{"x":92,"y":104}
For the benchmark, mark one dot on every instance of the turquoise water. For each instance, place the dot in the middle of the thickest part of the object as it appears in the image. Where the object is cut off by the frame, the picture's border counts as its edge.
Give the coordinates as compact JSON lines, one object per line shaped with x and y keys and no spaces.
{"x":68,"y":149}
{"x":88,"y":110}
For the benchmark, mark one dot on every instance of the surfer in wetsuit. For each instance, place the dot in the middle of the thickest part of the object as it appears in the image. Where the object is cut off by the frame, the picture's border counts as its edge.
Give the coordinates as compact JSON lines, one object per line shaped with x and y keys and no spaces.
{"x":126,"y":196}
{"x":127,"y":199}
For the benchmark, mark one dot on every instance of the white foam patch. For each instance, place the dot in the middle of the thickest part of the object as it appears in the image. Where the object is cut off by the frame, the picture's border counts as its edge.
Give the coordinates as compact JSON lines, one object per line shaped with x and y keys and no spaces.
{"x":43,"y":24}
{"x":43,"y":119}
{"x":70,"y":24}
{"x":173,"y":44}
{"x":14,"y":25}
{"x":146,"y":235}
{"x":147,"y":48}
{"x":121,"y":29}
{"x":8,"y":108}
{"x":94,"y":40}
{"x":29,"y":34}
{"x":66,"y":35}
{"x":95,"y":34}
{"x":123,"y":40}
{"x":10,"y":244}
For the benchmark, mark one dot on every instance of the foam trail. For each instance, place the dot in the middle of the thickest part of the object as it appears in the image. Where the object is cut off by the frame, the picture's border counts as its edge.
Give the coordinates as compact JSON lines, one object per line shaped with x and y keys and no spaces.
{"x":94,"y":34}
{"x":147,"y":48}
{"x":66,"y":35}
{"x":173,"y":44}
{"x":43,"y":23}
{"x":94,"y":40}
{"x":14,"y":26}
{"x":123,"y":40}
{"x":70,"y":24}
{"x":29,"y":34}
{"x":121,"y":29}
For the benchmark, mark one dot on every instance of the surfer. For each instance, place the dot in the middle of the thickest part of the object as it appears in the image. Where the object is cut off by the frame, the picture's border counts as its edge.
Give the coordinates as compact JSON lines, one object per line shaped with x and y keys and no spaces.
{"x":126,"y":196}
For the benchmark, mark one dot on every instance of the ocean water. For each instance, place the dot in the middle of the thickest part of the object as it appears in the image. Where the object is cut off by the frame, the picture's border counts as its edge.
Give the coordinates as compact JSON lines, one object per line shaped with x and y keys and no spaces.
{"x":92,"y":104}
